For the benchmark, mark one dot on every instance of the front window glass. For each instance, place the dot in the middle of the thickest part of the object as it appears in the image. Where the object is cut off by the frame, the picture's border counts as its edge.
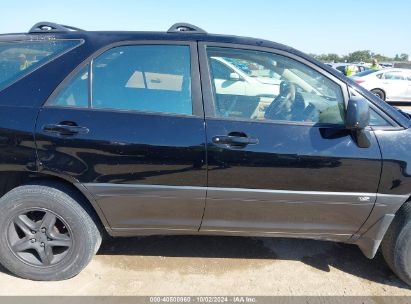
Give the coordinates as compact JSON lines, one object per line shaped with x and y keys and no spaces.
{"x":376,"y":120}
{"x":272,"y":87}
{"x":18,"y":59}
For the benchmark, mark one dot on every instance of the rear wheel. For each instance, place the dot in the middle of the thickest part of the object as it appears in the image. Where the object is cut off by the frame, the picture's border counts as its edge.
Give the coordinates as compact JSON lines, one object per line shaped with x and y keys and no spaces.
{"x":45,"y":234}
{"x":396,"y":245}
{"x":379,"y":93}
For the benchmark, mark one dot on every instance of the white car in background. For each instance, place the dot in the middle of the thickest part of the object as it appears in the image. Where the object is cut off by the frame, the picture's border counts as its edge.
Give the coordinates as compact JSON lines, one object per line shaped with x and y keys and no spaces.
{"x":389,"y":84}
{"x":232,"y":80}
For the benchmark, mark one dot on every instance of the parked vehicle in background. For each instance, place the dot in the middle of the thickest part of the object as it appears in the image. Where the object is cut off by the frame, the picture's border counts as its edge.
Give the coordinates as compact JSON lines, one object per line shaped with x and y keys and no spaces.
{"x":389,"y":84}
{"x":385,"y":65}
{"x":232,"y":77}
{"x":341,"y":67}
{"x":148,"y":133}
{"x":402,"y":65}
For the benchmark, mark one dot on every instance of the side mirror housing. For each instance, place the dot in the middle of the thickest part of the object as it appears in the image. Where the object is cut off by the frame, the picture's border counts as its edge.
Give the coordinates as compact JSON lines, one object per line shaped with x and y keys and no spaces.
{"x":235,"y":77}
{"x":358,"y":114}
{"x":357,"y":119}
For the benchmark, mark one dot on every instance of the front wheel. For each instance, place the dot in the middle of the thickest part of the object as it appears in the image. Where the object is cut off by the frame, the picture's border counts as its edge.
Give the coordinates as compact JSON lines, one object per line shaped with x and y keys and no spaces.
{"x":396,"y":245}
{"x":379,"y":93}
{"x":45,"y":234}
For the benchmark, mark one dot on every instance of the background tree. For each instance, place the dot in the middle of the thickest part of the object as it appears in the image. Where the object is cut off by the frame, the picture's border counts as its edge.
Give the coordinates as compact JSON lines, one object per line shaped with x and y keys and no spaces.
{"x":404,"y":57}
{"x":360,"y":56}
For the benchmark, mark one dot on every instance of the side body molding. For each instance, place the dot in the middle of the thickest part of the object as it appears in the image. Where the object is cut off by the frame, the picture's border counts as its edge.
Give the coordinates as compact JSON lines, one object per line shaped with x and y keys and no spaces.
{"x":150,"y":207}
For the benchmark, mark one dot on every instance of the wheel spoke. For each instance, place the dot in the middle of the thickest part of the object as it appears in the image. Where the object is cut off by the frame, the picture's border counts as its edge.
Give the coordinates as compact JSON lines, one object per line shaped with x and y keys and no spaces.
{"x":22,"y":245}
{"x":49,"y":220}
{"x":60,"y":243}
{"x":25,"y":224}
{"x":60,"y":240}
{"x":46,"y":255}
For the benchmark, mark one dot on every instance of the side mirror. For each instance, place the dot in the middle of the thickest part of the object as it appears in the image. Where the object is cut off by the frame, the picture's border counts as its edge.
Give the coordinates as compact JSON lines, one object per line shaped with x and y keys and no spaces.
{"x":357,"y":118}
{"x":235,"y":77}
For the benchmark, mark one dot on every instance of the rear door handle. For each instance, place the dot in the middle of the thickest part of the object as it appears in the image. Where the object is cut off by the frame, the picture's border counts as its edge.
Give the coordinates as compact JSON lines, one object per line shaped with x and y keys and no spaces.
{"x":234,"y":140}
{"x":63,"y":129}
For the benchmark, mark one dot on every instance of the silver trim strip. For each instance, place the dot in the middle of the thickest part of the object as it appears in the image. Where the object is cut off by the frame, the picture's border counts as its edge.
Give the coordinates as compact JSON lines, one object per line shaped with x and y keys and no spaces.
{"x":100,"y":190}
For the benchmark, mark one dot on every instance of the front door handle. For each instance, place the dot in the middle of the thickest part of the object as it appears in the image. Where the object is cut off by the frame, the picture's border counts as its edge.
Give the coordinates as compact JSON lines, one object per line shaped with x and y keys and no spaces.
{"x":64,"y":129}
{"x":234,"y":140}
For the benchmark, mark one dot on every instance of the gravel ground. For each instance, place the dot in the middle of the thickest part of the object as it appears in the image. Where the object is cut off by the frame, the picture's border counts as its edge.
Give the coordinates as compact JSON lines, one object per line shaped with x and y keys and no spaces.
{"x":201,"y":265}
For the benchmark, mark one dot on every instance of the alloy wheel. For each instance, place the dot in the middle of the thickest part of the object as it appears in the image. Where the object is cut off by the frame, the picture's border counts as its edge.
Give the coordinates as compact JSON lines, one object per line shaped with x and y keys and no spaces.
{"x":39,"y":238}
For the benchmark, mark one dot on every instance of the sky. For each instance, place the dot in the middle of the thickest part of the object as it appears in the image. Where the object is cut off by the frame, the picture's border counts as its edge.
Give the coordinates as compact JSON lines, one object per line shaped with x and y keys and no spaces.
{"x":312,"y":26}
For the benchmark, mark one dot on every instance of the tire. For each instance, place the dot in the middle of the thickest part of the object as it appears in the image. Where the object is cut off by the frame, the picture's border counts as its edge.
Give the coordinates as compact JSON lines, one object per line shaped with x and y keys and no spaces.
{"x":379,"y":93}
{"x":396,"y":245}
{"x":45,"y":233}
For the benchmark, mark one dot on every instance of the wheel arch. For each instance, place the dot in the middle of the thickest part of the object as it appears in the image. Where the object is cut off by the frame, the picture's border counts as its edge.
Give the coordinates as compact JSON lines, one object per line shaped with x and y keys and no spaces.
{"x":371,"y":234}
{"x":82,"y":195}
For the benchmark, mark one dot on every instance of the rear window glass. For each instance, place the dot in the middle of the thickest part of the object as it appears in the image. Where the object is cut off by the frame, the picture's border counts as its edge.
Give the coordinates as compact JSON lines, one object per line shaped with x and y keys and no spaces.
{"x":17,"y":59}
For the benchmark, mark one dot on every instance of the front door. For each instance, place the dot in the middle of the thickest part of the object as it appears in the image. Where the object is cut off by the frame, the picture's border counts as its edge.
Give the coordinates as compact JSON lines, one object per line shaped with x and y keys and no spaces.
{"x":409,"y":86}
{"x":395,"y":85}
{"x":135,"y":139}
{"x":288,"y":166}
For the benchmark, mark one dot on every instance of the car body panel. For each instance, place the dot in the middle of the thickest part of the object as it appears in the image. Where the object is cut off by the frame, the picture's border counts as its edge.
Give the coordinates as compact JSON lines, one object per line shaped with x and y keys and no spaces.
{"x":289,"y":158}
{"x":152,"y":178}
{"x":112,"y":153}
{"x":17,"y":148}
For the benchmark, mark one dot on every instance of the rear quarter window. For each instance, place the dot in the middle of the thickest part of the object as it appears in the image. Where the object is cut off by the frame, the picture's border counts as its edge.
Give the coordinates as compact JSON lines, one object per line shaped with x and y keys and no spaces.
{"x":17,"y":59}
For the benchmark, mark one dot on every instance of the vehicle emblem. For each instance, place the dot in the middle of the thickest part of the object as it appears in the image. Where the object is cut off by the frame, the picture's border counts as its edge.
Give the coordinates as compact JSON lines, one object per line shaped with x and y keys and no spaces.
{"x":364,"y":198}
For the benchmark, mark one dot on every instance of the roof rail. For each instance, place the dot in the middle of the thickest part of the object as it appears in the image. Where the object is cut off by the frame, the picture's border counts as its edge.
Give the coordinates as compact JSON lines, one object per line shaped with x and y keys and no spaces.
{"x":186,"y":28}
{"x":50,"y":27}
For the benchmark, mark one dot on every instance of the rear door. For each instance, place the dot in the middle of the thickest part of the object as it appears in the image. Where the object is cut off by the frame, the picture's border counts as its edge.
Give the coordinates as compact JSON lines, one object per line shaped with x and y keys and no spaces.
{"x":288,"y":167}
{"x":129,"y":126}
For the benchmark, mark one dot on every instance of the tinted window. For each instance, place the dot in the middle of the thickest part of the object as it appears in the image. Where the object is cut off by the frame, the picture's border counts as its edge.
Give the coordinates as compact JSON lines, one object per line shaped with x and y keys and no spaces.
{"x":75,"y":94}
{"x":281,"y":89}
{"x":17,"y":59}
{"x":394,"y":76}
{"x":152,"y":78}
{"x":221,"y":70}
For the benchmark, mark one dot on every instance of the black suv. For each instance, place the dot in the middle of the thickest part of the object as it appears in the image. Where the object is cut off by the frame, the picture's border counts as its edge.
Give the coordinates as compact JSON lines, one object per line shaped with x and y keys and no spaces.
{"x":184,"y":132}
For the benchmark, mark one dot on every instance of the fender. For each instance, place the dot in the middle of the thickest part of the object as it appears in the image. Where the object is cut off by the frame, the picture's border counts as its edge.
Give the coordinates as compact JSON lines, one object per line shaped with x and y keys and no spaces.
{"x":370,"y":235}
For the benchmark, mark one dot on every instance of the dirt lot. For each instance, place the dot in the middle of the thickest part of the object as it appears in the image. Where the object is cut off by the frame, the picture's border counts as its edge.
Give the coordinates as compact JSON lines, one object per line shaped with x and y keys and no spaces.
{"x":188,"y":265}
